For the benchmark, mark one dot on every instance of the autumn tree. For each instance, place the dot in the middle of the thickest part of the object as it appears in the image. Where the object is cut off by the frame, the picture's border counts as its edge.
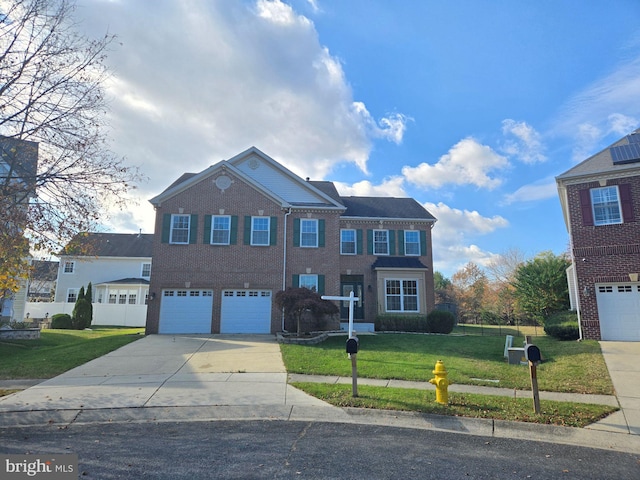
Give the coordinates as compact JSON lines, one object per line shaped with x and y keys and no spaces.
{"x":52,"y":99}
{"x":469,"y":284}
{"x":501,"y":271}
{"x":296,"y":301}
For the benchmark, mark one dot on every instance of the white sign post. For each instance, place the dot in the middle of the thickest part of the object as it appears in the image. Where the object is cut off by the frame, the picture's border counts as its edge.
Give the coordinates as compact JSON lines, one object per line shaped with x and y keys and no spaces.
{"x":351,"y":299}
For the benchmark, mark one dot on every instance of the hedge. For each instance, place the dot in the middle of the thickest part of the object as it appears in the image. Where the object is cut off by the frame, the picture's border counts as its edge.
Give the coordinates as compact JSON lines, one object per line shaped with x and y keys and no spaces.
{"x":562,"y":325}
{"x":61,"y":321}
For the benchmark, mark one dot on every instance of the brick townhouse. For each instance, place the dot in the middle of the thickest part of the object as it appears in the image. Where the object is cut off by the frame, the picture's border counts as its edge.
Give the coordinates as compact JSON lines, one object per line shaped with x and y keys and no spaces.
{"x":600,"y":200}
{"x":229,"y":238}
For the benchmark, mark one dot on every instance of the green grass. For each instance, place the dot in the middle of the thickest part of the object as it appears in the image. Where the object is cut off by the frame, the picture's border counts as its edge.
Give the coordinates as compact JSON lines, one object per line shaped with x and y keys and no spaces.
{"x":462,"y":405}
{"x":60,"y":350}
{"x":573,"y":367}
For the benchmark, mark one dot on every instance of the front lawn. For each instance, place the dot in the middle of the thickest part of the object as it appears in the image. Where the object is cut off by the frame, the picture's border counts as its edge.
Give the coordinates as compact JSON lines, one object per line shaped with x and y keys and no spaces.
{"x":57,"y":351}
{"x":574,"y":367}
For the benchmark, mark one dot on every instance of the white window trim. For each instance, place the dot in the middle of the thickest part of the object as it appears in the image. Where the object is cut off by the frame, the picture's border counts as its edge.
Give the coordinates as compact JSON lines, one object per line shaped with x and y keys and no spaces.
{"x":174,"y":215}
{"x":73,"y":291}
{"x":73,"y":267}
{"x":402,"y":295}
{"x":355,"y":241}
{"x":142,"y":270}
{"x":593,"y":206}
{"x":213,"y":221}
{"x":268,"y":230}
{"x":307,"y":276}
{"x":315,"y":222}
{"x":418,"y":242}
{"x":374,"y":242}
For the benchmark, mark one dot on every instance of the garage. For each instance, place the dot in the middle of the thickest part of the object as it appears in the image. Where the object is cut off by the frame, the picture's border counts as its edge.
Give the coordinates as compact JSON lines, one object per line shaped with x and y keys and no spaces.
{"x":186,"y":311}
{"x":246,"y":311}
{"x":619,"y":311}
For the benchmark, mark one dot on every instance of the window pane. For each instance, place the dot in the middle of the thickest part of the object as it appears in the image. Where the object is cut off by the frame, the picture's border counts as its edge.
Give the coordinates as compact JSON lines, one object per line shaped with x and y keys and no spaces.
{"x":308,"y":281}
{"x":348,"y":242}
{"x":180,"y":228}
{"x":412,"y":243}
{"x":380,"y":246}
{"x":606,"y":208}
{"x":260,"y":231}
{"x":220,"y":230}
{"x":308,"y":233}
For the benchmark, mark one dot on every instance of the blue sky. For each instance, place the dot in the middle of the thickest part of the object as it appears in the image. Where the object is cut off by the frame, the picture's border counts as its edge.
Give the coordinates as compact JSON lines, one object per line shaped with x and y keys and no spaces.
{"x":470,"y":107}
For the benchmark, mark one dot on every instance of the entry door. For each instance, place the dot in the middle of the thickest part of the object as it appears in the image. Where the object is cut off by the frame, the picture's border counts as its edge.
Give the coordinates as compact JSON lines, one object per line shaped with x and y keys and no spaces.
{"x":356,"y":287}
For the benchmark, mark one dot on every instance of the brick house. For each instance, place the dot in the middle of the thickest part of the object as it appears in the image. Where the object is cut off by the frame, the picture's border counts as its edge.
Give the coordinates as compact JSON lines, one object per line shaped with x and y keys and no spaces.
{"x":600,"y":200}
{"x":229,"y":238}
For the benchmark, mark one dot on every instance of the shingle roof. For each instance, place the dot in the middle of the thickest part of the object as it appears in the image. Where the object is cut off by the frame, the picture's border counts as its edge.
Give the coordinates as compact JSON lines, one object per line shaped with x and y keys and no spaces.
{"x":397,"y":262}
{"x":328,"y":188}
{"x":110,"y":245}
{"x":385,"y":207}
{"x":126,"y":281}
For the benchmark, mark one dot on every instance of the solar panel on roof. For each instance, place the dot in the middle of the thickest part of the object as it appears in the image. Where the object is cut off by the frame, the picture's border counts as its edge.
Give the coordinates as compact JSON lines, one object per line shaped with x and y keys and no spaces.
{"x":634,"y":138}
{"x":623,"y":154}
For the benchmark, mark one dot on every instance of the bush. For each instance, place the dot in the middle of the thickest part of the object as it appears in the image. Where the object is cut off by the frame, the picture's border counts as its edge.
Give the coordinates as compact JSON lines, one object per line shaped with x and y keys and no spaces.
{"x":62,"y":321}
{"x":82,"y":314}
{"x":401,"y":323}
{"x":562,"y":325}
{"x":439,"y":321}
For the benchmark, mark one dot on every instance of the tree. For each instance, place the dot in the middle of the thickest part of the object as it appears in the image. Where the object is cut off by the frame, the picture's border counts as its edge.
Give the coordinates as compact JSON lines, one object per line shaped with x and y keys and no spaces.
{"x":541,"y":285}
{"x":501,"y":271}
{"x":469,"y":285}
{"x":52,"y":100}
{"x":81,"y":316}
{"x":295,"y":301}
{"x":88,"y":295}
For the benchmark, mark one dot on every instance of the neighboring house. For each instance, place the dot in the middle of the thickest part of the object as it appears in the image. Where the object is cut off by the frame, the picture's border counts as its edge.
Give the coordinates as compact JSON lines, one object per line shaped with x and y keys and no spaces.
{"x":118,"y":265}
{"x":42,"y":281}
{"x":600,"y":200}
{"x":229,"y":238}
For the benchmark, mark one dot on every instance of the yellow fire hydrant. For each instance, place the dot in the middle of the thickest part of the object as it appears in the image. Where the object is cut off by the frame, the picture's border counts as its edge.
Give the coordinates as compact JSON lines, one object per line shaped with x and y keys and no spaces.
{"x":441,"y":382}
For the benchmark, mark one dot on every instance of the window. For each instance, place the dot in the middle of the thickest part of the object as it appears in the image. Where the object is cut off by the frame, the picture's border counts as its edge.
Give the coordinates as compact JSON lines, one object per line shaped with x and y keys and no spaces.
{"x":308,"y":281}
{"x":348,"y":242}
{"x":69,"y":267}
{"x":401,"y":295}
{"x":72,"y":295}
{"x":112,"y":298}
{"x":381,"y":242}
{"x":606,"y":206}
{"x":146,"y":270}
{"x":308,"y":233}
{"x":122,"y":299}
{"x":179,"y":229}
{"x":411,"y":242}
{"x":259,"y":230}
{"x":220,"y":230}
{"x":133,"y":298}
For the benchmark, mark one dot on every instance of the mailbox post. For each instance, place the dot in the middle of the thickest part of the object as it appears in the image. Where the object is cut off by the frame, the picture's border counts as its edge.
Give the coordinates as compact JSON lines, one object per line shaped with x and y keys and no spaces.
{"x":532,"y":354}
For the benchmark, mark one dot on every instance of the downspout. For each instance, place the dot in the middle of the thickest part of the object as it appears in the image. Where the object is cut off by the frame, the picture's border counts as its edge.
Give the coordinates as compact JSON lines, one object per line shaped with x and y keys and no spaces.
{"x":284,"y":261}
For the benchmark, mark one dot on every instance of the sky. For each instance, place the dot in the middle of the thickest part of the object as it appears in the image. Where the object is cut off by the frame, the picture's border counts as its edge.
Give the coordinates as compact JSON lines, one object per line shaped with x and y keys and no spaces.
{"x":470,"y":107}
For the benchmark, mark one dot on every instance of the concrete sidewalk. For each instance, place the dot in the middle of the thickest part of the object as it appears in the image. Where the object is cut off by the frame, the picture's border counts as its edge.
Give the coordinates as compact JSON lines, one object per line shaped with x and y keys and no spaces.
{"x":239,"y":377}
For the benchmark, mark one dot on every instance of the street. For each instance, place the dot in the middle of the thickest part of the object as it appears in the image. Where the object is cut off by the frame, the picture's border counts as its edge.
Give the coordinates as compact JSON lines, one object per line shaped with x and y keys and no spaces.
{"x":276,"y":449}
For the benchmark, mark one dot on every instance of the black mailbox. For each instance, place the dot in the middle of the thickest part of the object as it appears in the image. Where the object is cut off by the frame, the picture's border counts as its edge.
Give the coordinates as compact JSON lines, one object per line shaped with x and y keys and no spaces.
{"x":352,"y":345}
{"x":532,"y":353}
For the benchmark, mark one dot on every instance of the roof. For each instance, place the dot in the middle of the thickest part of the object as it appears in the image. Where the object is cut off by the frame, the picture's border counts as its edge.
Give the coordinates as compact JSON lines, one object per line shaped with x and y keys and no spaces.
{"x":328,"y":188}
{"x":398,"y":262}
{"x":110,"y":245}
{"x":385,"y":207}
{"x":126,"y":281}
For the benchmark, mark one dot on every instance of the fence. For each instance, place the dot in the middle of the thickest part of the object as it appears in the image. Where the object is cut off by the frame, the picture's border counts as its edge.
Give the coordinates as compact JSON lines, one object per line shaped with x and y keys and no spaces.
{"x":103,"y":313}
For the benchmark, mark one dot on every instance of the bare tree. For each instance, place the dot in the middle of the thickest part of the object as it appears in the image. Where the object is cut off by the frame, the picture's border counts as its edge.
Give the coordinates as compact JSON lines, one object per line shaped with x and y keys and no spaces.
{"x":52,"y":100}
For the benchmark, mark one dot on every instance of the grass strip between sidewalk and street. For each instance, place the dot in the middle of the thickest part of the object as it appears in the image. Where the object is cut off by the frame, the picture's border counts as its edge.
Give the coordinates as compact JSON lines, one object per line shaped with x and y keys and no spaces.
{"x":460,"y":404}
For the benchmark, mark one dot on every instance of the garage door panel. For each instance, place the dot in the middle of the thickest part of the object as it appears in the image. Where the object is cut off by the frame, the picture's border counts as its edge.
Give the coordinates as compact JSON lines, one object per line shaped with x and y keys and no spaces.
{"x":246,"y":311}
{"x":619,"y":311}
{"x":186,"y":311}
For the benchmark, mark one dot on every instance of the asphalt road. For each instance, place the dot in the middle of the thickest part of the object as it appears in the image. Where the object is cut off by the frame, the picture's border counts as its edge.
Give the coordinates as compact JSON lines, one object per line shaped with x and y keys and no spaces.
{"x":309,"y":450}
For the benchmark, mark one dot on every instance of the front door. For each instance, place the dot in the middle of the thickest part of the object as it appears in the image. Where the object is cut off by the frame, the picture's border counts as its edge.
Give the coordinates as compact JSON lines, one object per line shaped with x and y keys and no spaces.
{"x":347,"y":286}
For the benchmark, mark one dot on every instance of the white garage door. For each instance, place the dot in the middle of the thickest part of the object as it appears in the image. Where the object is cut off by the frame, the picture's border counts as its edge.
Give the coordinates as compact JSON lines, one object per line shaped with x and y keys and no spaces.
{"x":246,"y":311}
{"x":619,"y":311}
{"x":186,"y":311}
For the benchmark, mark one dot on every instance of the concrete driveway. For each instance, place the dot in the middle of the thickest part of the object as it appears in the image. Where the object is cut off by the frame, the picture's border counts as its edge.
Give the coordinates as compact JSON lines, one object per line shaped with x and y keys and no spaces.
{"x":171,"y":371}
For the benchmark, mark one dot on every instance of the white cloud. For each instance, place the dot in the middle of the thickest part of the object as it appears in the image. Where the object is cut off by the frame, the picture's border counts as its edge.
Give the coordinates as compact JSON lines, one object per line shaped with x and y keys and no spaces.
{"x":527,"y":145}
{"x":534,"y":191}
{"x":391,"y":187}
{"x":467,"y":163}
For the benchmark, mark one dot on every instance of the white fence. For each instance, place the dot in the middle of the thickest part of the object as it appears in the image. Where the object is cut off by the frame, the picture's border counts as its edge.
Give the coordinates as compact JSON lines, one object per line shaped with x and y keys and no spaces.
{"x":103,"y":313}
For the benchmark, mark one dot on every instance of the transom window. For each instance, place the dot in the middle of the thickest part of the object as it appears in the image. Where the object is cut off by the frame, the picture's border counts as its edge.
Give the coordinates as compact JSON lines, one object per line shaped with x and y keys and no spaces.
{"x":308,"y":233}
{"x":308,"y":281}
{"x":69,"y":267}
{"x":220,"y":230}
{"x":180,"y":228}
{"x":348,"y":242}
{"x":606,"y":206}
{"x":381,"y":242}
{"x":411,"y":242}
{"x":401,"y":295}
{"x":260,"y":230}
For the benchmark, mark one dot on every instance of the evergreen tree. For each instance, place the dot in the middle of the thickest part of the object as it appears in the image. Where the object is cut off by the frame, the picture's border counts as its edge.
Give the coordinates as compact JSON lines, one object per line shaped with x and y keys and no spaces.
{"x":81,"y":317}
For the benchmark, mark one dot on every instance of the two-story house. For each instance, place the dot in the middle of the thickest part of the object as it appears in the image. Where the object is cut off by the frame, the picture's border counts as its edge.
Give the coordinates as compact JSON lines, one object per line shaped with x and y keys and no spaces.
{"x":229,"y":238}
{"x":600,"y":200}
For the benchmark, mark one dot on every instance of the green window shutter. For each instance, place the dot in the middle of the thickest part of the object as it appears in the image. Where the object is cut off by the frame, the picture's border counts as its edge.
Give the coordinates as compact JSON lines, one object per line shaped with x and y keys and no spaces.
{"x":206,"y":235}
{"x":273,"y":233}
{"x":321,"y":228}
{"x":193,"y":229}
{"x":296,"y":232}
{"x":247,"y":230}
{"x":423,"y":242}
{"x":295,"y":281}
{"x":233,"y":234}
{"x":321,"y":284}
{"x":369,"y":242}
{"x":166,"y":228}
{"x":392,"y":242}
{"x":359,"y":242}
{"x":400,"y":242}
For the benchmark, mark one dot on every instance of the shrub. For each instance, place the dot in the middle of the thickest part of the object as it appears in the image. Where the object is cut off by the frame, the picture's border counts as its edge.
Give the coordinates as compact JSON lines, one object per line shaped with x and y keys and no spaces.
{"x":562,"y":325}
{"x":401,"y":323}
{"x":439,"y":321}
{"x":62,"y":321}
